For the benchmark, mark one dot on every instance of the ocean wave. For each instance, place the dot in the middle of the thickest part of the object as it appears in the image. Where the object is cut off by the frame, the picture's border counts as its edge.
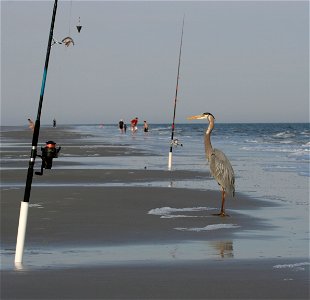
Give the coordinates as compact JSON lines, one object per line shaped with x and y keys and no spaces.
{"x":306,"y":132}
{"x":267,"y":149}
{"x":275,"y":167}
{"x":210,"y":227}
{"x":284,"y":134}
{"x":164,"y":128}
{"x":251,"y":141}
{"x":286,"y":142}
{"x":302,"y":152}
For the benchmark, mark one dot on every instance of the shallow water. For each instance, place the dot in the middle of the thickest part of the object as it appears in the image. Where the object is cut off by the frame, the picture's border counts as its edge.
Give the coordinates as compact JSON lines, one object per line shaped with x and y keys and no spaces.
{"x":271,"y":162}
{"x":62,"y":257}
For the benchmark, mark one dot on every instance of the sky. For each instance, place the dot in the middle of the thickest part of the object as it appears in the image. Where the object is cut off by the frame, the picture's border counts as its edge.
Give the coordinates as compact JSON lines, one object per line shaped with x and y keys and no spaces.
{"x":243,"y":61}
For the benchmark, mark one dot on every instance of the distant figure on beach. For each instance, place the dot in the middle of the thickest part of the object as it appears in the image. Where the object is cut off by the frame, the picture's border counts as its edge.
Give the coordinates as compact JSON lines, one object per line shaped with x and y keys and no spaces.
{"x":125,"y":127}
{"x":31,"y":124}
{"x":54,"y":123}
{"x":145,"y":127}
{"x":121,"y":126}
{"x":134,"y":123}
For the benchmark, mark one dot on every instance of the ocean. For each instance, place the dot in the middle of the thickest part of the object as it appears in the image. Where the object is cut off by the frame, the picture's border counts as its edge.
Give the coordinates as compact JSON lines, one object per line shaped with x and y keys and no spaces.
{"x":275,"y":147}
{"x":271,"y":163}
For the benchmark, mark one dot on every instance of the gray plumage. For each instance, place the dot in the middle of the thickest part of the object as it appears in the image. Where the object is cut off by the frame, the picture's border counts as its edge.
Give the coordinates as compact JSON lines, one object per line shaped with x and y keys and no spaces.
{"x":222,"y":170}
{"x":220,"y":166}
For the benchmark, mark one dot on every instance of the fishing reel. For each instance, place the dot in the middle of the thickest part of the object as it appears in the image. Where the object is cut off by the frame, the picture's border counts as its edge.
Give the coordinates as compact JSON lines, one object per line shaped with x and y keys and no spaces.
{"x":49,"y":152}
{"x":176,"y":143}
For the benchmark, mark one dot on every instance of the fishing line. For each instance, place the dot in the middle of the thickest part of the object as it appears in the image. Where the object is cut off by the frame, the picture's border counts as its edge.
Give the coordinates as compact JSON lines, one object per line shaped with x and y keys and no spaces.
{"x":70,"y":13}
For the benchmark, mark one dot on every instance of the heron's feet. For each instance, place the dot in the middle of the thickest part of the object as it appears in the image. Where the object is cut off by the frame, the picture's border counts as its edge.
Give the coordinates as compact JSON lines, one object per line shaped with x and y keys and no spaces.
{"x":221,"y":214}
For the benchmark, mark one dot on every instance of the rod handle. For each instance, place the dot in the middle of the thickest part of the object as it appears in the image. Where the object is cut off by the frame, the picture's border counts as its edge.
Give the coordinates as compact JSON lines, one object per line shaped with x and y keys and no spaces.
{"x":22,"y":225}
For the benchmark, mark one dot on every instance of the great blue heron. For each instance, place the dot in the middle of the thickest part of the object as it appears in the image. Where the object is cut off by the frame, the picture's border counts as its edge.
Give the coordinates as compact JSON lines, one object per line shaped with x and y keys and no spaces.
{"x":220,"y":166}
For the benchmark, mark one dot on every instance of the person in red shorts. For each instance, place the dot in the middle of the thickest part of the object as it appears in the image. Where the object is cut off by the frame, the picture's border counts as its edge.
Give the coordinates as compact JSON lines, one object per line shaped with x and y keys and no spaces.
{"x":134,"y":123}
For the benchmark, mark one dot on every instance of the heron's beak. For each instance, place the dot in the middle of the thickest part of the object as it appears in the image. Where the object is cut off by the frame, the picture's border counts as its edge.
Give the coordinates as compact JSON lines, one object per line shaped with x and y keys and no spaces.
{"x":198,"y":117}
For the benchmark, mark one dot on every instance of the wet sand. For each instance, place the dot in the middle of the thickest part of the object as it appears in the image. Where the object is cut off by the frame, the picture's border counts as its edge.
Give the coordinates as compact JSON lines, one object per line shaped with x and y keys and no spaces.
{"x":116,"y":215}
{"x":198,"y":280}
{"x":70,"y":210}
{"x":77,"y":218}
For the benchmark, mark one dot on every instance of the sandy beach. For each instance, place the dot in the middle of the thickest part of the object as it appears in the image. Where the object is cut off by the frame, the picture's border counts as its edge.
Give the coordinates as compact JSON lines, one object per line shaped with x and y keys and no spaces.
{"x":119,"y":234}
{"x":177,"y":140}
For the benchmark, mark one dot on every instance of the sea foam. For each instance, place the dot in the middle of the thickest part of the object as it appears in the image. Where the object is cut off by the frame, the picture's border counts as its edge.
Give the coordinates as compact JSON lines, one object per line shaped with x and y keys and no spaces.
{"x":297,"y":266}
{"x":168,"y":212}
{"x":210,"y":227}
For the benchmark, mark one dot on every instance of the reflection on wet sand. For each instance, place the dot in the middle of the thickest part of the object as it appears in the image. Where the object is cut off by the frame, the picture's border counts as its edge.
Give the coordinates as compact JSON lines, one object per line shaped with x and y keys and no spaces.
{"x":120,"y":254}
{"x":225,"y":248}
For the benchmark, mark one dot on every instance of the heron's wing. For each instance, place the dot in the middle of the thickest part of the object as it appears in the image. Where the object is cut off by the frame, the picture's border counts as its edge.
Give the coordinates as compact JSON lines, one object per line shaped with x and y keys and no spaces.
{"x":222,"y":170}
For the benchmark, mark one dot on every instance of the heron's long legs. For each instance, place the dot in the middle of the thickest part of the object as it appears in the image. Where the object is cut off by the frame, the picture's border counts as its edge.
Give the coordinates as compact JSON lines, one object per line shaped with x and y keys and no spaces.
{"x":222,"y":213}
{"x":223,"y":201}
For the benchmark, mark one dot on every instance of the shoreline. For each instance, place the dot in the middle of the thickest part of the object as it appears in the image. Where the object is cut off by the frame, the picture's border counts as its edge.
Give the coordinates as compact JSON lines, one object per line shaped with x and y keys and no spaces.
{"x":97,"y":240}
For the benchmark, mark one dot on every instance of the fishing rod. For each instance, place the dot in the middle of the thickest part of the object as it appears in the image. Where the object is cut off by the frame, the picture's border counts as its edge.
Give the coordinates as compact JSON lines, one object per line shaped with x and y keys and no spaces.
{"x":25,"y":203}
{"x":175,"y":142}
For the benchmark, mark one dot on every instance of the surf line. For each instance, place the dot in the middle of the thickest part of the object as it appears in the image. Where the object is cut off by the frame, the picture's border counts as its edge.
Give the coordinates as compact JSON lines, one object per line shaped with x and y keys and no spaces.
{"x":175,"y":142}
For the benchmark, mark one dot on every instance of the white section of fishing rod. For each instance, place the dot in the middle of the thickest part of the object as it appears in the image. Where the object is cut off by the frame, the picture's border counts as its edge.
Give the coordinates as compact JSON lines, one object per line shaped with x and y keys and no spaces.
{"x":170,"y":161}
{"x":22,"y":225}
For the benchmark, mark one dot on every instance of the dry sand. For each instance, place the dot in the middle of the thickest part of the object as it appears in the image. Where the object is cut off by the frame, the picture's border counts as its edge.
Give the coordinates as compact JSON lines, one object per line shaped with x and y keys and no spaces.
{"x":75,"y":216}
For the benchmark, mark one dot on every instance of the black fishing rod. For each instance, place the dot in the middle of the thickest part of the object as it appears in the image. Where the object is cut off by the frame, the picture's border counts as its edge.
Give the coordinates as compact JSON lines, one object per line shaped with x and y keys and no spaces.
{"x":25,"y":203}
{"x":175,"y":142}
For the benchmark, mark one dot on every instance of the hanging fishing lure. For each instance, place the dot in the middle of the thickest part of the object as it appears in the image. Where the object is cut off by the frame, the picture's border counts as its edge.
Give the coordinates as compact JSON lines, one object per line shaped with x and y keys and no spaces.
{"x":79,"y":26}
{"x":67,"y":41}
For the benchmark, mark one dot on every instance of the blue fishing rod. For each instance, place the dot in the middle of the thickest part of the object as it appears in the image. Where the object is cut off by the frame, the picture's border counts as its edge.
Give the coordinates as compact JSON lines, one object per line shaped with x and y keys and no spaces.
{"x":175,"y":142}
{"x":25,"y":203}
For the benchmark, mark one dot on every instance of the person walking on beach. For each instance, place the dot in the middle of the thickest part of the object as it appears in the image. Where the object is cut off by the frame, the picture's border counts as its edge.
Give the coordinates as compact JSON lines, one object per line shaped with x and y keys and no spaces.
{"x":121,"y":126}
{"x":145,"y":127}
{"x":134,"y":123}
{"x":125,"y":127}
{"x":31,"y":124}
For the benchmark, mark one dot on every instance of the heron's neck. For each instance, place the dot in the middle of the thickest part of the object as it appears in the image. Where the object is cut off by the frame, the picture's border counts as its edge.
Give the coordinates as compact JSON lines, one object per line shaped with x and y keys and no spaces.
{"x":208,"y":145}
